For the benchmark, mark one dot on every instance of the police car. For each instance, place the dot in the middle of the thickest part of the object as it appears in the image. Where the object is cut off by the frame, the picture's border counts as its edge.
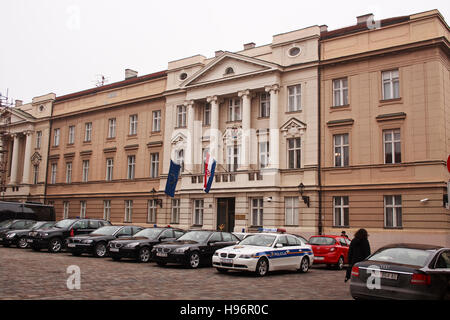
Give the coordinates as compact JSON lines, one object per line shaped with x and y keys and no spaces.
{"x":263,"y":252}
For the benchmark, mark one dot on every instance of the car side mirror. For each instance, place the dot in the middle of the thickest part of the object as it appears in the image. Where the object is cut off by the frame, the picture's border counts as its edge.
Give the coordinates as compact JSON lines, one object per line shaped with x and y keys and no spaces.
{"x":278,"y":245}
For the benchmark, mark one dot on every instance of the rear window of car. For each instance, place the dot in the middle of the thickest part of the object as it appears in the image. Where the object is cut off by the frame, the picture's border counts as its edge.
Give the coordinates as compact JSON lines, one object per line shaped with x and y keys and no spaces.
{"x":322,"y":241}
{"x":413,"y":257}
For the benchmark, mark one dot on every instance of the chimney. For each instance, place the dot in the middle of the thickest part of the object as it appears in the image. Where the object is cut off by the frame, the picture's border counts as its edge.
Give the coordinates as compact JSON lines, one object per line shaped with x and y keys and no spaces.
{"x":323,"y":28}
{"x":364,"y":18}
{"x":18,"y":103}
{"x":130,"y":74}
{"x":218,"y":53}
{"x":249,"y":45}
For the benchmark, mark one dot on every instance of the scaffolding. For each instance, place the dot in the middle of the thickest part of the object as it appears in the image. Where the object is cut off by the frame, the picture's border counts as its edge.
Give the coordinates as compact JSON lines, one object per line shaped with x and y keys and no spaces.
{"x":5,"y":122}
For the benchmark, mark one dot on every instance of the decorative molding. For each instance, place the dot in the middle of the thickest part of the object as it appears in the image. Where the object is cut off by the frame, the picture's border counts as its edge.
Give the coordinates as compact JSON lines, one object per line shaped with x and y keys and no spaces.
{"x":154,"y":144}
{"x":53,"y":157}
{"x":391,"y":116}
{"x":108,"y":150}
{"x":69,"y":155}
{"x":340,"y":123}
{"x":86,"y":153}
{"x":131,"y":147}
{"x":293,"y":128}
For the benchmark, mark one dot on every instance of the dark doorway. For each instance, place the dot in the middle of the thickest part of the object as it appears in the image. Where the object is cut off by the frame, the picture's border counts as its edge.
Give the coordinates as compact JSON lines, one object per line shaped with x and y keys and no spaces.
{"x":225,"y":214}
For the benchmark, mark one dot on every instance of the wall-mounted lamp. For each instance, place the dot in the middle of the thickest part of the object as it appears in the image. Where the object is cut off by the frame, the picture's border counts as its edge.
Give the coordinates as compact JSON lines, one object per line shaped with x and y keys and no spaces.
{"x":301,"y":188}
{"x":158,"y":201}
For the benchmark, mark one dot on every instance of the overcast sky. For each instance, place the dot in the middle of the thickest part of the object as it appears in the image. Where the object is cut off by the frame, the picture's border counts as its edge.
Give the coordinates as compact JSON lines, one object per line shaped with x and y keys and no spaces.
{"x":62,"y":46}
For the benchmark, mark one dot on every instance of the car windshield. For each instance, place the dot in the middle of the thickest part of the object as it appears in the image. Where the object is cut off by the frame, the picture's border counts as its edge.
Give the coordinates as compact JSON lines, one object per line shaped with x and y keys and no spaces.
{"x":199,"y":236}
{"x":5,"y":223}
{"x":37,"y":225}
{"x":45,"y":225}
{"x":107,"y":231}
{"x":64,"y":223}
{"x":151,"y":233}
{"x":322,"y":241}
{"x":413,"y":257}
{"x":260,"y":240}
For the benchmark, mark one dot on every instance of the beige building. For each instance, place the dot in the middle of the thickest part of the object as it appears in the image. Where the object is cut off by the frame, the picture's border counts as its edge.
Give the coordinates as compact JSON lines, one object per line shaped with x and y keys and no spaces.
{"x":385,"y":128}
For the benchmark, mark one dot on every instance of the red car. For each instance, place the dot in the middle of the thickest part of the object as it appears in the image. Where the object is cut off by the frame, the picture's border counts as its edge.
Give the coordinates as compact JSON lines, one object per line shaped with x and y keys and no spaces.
{"x":330,"y":250}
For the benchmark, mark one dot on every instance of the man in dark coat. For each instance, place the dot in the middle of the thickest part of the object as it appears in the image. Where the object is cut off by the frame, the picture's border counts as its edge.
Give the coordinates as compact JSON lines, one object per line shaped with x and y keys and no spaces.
{"x":359,"y":250}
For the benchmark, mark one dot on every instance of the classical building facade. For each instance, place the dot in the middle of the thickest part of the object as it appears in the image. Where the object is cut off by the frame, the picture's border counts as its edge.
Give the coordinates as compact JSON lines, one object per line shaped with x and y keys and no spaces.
{"x":385,"y":128}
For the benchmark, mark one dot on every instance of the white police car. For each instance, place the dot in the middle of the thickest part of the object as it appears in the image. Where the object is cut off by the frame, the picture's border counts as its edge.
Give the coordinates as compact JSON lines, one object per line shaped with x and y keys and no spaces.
{"x":264,"y":252}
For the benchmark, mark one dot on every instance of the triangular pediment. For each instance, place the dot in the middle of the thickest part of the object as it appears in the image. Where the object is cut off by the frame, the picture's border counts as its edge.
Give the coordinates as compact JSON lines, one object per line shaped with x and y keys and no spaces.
{"x":293,"y":127}
{"x":16,"y":115}
{"x":178,"y":138}
{"x":229,"y":66}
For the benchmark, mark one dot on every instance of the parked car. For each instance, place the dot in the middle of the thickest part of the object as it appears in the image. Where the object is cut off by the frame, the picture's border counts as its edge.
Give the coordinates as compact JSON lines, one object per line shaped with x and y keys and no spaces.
{"x":19,"y":237}
{"x":12,"y":225}
{"x":242,"y":235}
{"x":265,"y":252}
{"x":26,"y":210}
{"x":330,"y":250}
{"x":54,"y":238}
{"x":96,"y":242}
{"x":139,"y":246}
{"x":193,"y":249}
{"x":403,"y":271}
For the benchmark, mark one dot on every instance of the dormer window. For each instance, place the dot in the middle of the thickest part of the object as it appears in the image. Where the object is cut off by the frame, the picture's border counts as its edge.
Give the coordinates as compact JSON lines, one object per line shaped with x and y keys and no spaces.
{"x":183,"y":76}
{"x":294,"y":51}
{"x":229,"y":71}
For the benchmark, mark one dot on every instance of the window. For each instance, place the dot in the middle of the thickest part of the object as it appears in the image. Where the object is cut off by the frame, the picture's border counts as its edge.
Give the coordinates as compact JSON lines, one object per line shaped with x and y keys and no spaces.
{"x":207,"y":115}
{"x":181,"y":116}
{"x":390,"y":84}
{"x":179,"y":158}
{"x":66,"y":210}
{"x":71,"y":135}
{"x":133,"y":124}
{"x":393,"y":211}
{"x":257,"y":208}
{"x":340,"y":92}
{"x":88,"y":132}
{"x":82,"y":209}
{"x":263,"y":154}
{"x":107,"y":210}
{"x":131,"y":167}
{"x":291,"y":213}
{"x":69,"y":172}
{"x":151,"y":211}
{"x":205,"y":151}
{"x":85,"y":177}
{"x":392,"y":146}
{"x":56,"y":133}
{"x":128,"y":210}
{"x":198,"y":212}
{"x":233,"y":158}
{"x":294,"y":153}
{"x":234,"y":110}
{"x":175,"y":216}
{"x":109,"y":169}
{"x":294,"y":98}
{"x":53,"y":176}
{"x":38,"y":139}
{"x":341,"y":211}
{"x":112,"y":128}
{"x":154,"y":165}
{"x":35,"y":173}
{"x":156,"y":121}
{"x":264,"y":105}
{"x":229,"y":71}
{"x":341,"y":151}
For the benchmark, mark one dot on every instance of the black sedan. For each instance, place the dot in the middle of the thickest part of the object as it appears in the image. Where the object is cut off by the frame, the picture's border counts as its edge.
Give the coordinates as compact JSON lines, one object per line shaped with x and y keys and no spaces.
{"x":19,"y":237}
{"x":12,"y":225}
{"x":139,"y":246}
{"x":403,"y":271}
{"x":96,"y":242}
{"x":194,"y":248}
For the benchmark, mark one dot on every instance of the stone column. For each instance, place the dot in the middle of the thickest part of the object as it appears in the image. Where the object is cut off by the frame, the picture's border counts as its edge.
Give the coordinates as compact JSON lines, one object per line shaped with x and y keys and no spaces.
{"x":27,"y":158}
{"x":214,"y":135}
{"x":274,"y":156}
{"x":189,"y":155}
{"x":246,"y":128}
{"x":15,"y":159}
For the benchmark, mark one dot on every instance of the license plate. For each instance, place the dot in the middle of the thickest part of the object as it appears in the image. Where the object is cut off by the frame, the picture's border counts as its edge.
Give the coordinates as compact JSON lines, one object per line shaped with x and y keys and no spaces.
{"x":30,"y":240}
{"x":71,"y":245}
{"x":113,"y":249}
{"x":161,"y":254}
{"x":319,"y":258}
{"x":223,"y":260}
{"x":1,"y":239}
{"x":390,"y":276}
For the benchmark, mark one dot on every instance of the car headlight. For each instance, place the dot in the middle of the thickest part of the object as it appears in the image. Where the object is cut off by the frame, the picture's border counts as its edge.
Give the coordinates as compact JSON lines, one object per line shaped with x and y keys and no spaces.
{"x":181,"y":250}
{"x":11,"y":235}
{"x":247,"y":256}
{"x":132,"y":245}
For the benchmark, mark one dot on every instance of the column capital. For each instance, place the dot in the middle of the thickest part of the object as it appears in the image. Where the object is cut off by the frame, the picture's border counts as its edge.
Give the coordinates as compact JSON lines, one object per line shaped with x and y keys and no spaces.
{"x":272,"y":88}
{"x":28,"y":132}
{"x":189,"y":103}
{"x":211,"y":99}
{"x":243,"y":93}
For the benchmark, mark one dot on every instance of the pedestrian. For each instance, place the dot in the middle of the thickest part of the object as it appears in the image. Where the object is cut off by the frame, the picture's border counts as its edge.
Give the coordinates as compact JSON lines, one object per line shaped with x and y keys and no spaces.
{"x":344,"y":234}
{"x":358,"y":251}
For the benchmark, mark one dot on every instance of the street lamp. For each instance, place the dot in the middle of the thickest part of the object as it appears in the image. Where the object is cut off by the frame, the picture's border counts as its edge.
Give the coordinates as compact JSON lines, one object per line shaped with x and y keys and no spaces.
{"x":301,"y":188}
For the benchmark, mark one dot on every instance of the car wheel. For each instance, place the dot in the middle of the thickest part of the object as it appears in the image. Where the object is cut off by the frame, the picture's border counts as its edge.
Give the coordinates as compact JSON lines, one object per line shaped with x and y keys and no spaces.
{"x":221,"y":270}
{"x":194,"y":260}
{"x":22,"y":243}
{"x":161,"y":263}
{"x":304,"y":265}
{"x":340,"y":263}
{"x":262,"y":267}
{"x":55,"y":245}
{"x":100,"y":250}
{"x":144,"y":254}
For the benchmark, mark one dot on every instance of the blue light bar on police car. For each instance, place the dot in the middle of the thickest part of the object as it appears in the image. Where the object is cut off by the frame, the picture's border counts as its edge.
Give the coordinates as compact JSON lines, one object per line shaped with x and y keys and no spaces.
{"x":281,"y":230}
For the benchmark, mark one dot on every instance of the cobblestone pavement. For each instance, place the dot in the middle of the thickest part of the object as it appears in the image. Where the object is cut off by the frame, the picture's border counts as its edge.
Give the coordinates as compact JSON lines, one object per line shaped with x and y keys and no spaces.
{"x":25,"y":274}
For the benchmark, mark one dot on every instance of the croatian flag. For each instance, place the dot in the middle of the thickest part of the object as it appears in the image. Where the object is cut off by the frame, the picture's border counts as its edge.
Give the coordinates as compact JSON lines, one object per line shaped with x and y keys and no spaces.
{"x":210,"y":167}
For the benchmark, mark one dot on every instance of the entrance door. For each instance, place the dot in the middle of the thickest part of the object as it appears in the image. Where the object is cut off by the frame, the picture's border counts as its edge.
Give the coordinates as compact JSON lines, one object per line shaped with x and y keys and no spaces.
{"x":225,"y":214}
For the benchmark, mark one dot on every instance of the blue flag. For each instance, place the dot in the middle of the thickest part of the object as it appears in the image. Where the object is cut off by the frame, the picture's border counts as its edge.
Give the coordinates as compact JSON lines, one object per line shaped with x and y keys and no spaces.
{"x":210,"y":168}
{"x":172,"y":178}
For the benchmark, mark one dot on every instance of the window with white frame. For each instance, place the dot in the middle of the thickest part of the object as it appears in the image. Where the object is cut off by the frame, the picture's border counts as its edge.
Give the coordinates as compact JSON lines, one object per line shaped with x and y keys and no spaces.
{"x":207,"y":114}
{"x":109,"y":169}
{"x":128,"y":210}
{"x":88,"y":132}
{"x":35,"y":174}
{"x":198,"y":212}
{"x":291,"y":211}
{"x":181,"y":116}
{"x":66,"y":210}
{"x":133,"y":124}
{"x":340,"y":92}
{"x":233,"y":157}
{"x":71,"y":135}
{"x":131,"y":167}
{"x":85,"y":177}
{"x":392,"y":146}
{"x":341,"y":211}
{"x":53,"y":173}
{"x":156,"y":121}
{"x":69,"y":172}
{"x":82,"y":209}
{"x":107,"y":210}
{"x":264,"y":105}
{"x":393,"y":211}
{"x":257,"y":207}
{"x":263,"y":154}
{"x":38,"y":139}
{"x":175,"y":214}
{"x":154,"y":165}
{"x":112,"y":128}
{"x":179,"y":158}
{"x":234,"y":110}
{"x":294,"y":153}
{"x":56,"y":136}
{"x":391,"y":88}
{"x":294,"y":98}
{"x":341,"y":150}
{"x":151,"y":211}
